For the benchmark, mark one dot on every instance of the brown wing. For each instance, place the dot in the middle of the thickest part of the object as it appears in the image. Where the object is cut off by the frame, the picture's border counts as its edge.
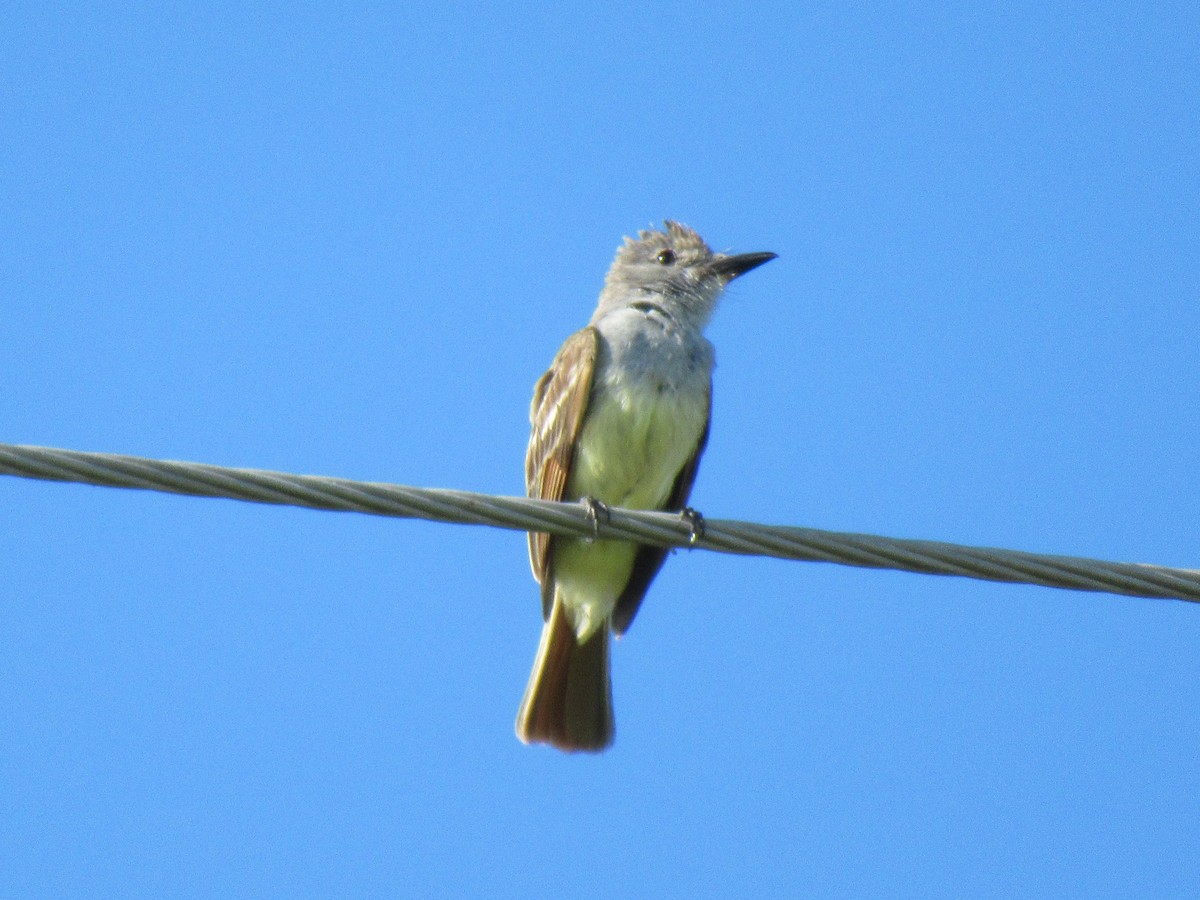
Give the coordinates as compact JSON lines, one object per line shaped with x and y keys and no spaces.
{"x":560,"y":400}
{"x":650,"y":559}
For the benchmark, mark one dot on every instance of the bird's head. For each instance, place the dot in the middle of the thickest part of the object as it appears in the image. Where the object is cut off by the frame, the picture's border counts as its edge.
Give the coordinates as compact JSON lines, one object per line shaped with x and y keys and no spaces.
{"x":675,"y":270}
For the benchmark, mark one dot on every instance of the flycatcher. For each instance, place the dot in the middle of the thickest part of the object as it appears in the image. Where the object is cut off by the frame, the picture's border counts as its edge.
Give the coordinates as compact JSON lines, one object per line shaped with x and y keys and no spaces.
{"x":621,"y":418}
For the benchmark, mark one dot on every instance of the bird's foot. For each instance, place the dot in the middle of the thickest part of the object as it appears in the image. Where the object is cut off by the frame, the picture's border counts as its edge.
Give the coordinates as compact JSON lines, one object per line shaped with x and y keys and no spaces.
{"x":694,"y":522}
{"x":596,"y":510}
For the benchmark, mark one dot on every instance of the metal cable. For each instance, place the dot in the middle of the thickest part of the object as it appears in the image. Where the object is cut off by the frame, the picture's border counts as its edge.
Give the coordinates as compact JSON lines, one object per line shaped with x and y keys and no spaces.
{"x":520,"y":513}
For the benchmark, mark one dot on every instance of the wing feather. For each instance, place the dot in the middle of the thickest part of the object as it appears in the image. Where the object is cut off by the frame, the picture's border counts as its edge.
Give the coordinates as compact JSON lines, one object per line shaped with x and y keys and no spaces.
{"x":560,"y":400}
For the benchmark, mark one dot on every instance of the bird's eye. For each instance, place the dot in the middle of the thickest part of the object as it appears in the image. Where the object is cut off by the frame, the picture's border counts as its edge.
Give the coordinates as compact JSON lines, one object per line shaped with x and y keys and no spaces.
{"x":666,"y":257}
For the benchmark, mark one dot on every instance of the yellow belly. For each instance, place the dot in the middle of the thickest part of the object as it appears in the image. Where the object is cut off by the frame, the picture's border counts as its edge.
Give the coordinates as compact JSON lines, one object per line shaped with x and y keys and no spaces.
{"x":632,"y":447}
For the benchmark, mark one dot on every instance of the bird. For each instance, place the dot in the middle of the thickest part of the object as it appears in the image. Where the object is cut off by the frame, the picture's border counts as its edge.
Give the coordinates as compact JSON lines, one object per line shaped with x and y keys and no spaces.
{"x":621,"y":418}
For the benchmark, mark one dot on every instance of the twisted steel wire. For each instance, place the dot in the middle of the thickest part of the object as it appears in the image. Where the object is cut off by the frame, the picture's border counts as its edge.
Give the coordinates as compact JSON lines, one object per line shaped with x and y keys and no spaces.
{"x":520,"y":513}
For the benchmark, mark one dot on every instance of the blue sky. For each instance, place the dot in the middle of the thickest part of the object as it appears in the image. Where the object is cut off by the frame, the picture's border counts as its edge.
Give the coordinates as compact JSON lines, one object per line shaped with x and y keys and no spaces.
{"x":348,"y":242}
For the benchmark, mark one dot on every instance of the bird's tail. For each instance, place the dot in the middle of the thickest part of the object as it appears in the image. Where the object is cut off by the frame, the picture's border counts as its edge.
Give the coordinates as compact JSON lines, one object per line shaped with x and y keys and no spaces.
{"x":568,"y":702}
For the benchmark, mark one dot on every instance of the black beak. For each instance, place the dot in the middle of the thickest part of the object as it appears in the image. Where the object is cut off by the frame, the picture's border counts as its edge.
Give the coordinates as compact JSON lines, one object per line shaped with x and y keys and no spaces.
{"x":730,"y":267}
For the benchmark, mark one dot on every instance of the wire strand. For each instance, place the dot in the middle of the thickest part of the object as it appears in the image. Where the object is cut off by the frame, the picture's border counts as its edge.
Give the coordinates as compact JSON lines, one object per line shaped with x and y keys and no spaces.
{"x":524,"y":514}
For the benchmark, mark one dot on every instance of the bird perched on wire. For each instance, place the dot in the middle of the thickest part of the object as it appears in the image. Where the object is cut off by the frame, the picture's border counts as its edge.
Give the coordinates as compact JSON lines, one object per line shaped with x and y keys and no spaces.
{"x":620,"y":419}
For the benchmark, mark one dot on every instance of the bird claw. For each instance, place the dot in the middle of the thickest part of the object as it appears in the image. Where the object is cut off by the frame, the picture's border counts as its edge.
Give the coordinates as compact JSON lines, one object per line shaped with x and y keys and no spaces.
{"x":596,"y":510}
{"x":694,"y":521}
